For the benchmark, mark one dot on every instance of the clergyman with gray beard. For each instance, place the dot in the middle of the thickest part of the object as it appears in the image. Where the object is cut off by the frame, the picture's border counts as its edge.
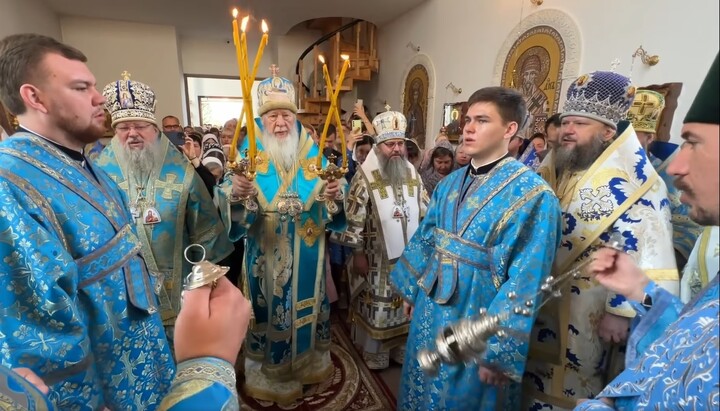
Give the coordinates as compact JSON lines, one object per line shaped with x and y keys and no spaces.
{"x":384,"y":206}
{"x":170,"y":204}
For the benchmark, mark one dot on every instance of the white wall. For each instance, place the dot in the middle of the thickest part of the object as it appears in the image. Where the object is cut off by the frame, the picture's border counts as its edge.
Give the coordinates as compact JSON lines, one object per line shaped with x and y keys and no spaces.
{"x":215,"y":87}
{"x":462,"y":38}
{"x":211,"y":56}
{"x":28,"y":16}
{"x":148,"y":52}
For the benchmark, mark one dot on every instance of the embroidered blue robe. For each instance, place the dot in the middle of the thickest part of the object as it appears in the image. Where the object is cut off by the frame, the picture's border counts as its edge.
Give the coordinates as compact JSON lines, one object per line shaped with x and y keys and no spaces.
{"x":284,"y":268}
{"x":77,"y":302}
{"x":467,"y":254}
{"x":200,"y":384}
{"x":187,"y":216}
{"x":680,"y":369}
{"x":685,"y":231}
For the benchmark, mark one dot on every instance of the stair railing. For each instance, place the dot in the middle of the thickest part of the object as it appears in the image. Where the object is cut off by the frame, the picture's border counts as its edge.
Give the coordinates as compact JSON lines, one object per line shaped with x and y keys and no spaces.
{"x":335,"y":37}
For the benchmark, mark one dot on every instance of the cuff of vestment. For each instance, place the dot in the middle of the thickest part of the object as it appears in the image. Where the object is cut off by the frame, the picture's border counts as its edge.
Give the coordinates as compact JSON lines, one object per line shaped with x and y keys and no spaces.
{"x":208,"y":368}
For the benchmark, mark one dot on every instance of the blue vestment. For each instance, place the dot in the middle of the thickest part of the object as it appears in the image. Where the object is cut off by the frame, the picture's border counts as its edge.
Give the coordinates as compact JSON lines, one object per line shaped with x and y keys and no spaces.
{"x":482,"y":238}
{"x":200,"y":384}
{"x":284,"y":273}
{"x":680,"y":369}
{"x":187,"y":215}
{"x":77,"y":302}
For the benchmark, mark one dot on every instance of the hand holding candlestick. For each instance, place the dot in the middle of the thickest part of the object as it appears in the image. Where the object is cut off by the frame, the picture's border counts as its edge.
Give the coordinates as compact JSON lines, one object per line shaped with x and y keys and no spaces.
{"x":466,"y":340}
{"x":242,"y":189}
{"x":330,"y":174}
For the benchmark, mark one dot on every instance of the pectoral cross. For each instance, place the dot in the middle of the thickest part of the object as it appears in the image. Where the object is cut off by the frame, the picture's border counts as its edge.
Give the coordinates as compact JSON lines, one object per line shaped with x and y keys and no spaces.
{"x":379,"y":184}
{"x":169,"y":186}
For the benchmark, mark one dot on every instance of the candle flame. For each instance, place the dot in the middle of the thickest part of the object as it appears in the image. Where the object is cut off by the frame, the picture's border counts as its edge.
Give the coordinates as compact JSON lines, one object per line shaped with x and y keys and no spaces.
{"x":243,"y":24}
{"x":321,"y":58}
{"x":264,"y":26}
{"x":235,"y":13}
{"x":344,"y":56}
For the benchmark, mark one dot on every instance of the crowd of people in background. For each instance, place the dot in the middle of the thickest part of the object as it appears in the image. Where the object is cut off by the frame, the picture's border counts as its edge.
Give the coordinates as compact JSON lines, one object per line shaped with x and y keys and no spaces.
{"x":101,"y":252}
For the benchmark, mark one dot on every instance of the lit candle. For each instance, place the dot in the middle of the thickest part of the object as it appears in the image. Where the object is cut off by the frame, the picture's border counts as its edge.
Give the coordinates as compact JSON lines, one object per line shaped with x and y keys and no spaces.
{"x":232,"y":154}
{"x":341,"y":131}
{"x":263,"y":43}
{"x":333,"y":112}
{"x":247,"y":97}
{"x":323,"y":135}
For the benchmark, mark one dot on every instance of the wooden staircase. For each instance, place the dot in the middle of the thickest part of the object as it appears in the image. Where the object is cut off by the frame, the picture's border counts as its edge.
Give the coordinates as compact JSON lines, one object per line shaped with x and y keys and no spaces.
{"x":357,"y":41}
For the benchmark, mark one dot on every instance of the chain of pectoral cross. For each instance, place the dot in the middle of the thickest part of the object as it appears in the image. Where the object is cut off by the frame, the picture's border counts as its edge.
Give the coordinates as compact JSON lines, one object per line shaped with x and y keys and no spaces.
{"x":140,"y":197}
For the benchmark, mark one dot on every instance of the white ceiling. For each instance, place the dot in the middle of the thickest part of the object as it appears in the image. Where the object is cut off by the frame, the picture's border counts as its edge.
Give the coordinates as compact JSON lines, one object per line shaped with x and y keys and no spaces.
{"x":211,"y":18}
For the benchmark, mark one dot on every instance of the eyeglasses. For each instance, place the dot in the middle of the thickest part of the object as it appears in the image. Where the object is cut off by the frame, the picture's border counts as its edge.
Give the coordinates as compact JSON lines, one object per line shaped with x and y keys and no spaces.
{"x":393,"y":144}
{"x":174,"y":126}
{"x":126,"y":128}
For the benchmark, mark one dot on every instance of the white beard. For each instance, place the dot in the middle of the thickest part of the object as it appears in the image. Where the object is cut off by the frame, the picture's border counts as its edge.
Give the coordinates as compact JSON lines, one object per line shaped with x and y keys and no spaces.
{"x":282,"y":152}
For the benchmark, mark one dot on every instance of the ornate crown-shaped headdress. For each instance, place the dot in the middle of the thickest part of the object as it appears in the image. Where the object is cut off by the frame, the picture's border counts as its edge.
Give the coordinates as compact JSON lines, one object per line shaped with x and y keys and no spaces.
{"x":275,"y":93}
{"x":390,"y":125}
{"x":129,"y":100}
{"x":645,"y":110}
{"x":604,"y":96}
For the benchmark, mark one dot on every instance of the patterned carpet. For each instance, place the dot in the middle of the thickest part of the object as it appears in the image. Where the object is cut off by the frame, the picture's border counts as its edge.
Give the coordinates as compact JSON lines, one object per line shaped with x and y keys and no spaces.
{"x":353,"y":386}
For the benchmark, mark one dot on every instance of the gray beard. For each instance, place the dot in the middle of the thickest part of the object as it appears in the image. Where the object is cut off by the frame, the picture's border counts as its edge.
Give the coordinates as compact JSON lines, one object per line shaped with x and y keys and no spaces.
{"x":394,"y":169}
{"x":284,"y":152}
{"x":580,"y":158}
{"x":141,"y":162}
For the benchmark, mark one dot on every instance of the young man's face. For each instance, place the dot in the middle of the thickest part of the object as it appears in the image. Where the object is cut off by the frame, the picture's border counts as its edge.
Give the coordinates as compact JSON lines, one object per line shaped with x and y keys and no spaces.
{"x":70,"y":98}
{"x":485,"y":133}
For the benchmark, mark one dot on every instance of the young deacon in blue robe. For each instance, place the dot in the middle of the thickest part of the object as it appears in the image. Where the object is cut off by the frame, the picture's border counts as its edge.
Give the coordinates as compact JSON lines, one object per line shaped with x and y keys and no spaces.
{"x":491,"y":229}
{"x":78,"y":306}
{"x":676,"y":347}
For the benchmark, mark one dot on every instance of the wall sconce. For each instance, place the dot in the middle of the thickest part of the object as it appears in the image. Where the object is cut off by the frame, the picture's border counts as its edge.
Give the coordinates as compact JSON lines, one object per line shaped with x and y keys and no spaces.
{"x":413,"y":46}
{"x":454,"y":89}
{"x":537,"y":2}
{"x":646,"y":58}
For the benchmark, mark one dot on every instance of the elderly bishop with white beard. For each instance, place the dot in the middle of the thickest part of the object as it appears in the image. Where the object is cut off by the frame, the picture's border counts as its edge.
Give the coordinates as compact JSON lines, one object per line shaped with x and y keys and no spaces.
{"x":284,"y":272}
{"x":170,"y":203}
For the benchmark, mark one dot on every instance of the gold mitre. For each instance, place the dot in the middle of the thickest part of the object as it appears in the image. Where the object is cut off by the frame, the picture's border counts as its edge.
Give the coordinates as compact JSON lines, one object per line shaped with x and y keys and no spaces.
{"x":645,"y":110}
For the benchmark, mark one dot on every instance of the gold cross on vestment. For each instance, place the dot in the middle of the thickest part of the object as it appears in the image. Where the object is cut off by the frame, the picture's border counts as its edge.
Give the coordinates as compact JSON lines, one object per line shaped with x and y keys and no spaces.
{"x":379,"y":184}
{"x":412,"y":185}
{"x":169,"y":186}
